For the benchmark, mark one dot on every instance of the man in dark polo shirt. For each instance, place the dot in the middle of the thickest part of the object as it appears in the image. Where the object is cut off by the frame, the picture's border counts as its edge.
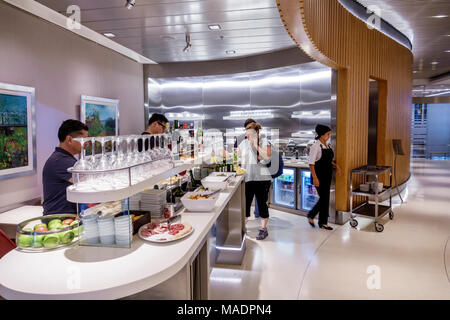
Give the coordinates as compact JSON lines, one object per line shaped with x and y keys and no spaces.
{"x":55,"y":178}
{"x":156,"y":125}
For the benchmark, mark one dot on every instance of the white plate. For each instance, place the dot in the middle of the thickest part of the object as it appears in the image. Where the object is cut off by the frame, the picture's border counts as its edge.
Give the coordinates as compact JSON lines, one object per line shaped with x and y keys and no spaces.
{"x":162,"y":236}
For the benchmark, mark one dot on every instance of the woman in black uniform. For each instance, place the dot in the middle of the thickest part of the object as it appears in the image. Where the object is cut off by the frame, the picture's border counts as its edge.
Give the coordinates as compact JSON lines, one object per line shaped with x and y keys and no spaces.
{"x":321,"y":164}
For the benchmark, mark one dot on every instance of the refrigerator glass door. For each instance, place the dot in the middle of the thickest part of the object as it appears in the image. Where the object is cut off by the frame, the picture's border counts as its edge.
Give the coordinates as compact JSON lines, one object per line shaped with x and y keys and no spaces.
{"x":284,"y":189}
{"x":308,"y":191}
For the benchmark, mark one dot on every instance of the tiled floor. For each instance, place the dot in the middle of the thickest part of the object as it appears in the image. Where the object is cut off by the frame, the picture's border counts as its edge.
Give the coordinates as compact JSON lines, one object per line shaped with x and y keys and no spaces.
{"x":410,"y":259}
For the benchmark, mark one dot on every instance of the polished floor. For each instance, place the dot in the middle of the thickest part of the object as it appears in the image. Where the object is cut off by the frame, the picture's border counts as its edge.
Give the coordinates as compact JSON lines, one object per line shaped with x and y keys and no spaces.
{"x":410,"y":259}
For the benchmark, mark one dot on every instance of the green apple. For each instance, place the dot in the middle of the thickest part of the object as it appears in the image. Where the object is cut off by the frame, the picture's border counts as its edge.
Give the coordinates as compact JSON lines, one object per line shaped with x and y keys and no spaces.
{"x":40,"y":225}
{"x":56,"y":226}
{"x":24,"y":240}
{"x":75,"y":230}
{"x":37,"y":243}
{"x":50,"y":241}
{"x":66,"y":237}
{"x":53,"y":222}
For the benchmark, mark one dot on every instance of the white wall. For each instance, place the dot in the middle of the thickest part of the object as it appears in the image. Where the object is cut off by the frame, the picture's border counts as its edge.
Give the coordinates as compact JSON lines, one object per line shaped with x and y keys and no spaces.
{"x":61,"y":66}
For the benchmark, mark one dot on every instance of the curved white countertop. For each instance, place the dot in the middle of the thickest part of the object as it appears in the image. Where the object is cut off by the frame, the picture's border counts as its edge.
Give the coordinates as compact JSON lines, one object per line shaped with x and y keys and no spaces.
{"x":80,"y":272}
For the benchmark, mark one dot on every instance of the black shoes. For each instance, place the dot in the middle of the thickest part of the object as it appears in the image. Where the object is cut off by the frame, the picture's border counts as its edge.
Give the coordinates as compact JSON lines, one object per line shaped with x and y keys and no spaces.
{"x":325,"y":227}
{"x":311,"y":223}
{"x":263,"y":233}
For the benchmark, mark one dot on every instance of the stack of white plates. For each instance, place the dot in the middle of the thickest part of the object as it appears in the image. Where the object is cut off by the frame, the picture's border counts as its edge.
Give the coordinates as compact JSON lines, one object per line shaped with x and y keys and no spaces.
{"x":106,"y":229}
{"x":153,"y":200}
{"x":123,"y":230}
{"x":135,"y":202}
{"x":90,"y":229}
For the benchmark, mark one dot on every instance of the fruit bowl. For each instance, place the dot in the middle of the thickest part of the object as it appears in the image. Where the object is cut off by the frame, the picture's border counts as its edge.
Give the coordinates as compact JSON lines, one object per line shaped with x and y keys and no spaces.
{"x":47,"y":233}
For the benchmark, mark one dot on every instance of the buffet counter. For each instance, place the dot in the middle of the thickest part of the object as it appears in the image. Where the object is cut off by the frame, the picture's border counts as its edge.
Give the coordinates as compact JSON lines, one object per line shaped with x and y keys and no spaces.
{"x":80,"y":272}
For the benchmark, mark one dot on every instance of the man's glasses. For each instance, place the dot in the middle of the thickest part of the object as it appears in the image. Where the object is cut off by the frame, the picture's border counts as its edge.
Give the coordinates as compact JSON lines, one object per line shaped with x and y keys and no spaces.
{"x":162,"y":125}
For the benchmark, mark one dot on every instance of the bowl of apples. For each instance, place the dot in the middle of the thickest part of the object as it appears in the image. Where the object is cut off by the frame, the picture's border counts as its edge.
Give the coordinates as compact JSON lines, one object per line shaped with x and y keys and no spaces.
{"x":47,"y":233}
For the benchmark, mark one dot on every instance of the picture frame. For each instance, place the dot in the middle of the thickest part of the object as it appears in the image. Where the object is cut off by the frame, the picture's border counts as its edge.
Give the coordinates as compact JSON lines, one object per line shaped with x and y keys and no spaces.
{"x":17,"y":131}
{"x":101,"y":115}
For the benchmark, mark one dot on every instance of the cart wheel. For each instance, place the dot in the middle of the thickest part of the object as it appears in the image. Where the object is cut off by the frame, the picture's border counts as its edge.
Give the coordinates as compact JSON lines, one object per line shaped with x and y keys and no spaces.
{"x":379,"y":227}
{"x":353,"y":223}
{"x":391,"y":215}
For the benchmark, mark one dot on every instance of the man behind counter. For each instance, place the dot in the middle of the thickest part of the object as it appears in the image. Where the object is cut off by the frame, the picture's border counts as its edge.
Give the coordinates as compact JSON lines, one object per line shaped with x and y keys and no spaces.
{"x":55,"y":178}
{"x":156,"y":125}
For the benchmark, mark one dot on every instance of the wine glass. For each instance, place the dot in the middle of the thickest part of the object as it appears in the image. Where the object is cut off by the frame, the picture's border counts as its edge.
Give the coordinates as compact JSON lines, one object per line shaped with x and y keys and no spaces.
{"x":103,"y":163}
{"x":129,"y":161}
{"x":136,"y":154}
{"x":82,"y":163}
{"x":145,"y":153}
{"x":92,"y":159}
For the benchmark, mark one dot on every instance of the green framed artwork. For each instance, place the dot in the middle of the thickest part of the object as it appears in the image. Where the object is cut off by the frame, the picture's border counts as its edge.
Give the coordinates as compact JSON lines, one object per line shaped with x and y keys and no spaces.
{"x":17,"y":131}
{"x":101,"y":115}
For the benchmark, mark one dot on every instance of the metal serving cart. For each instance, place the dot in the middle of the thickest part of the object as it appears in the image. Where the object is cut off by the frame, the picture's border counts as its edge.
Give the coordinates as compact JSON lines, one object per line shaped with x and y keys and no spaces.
{"x":371,"y":210}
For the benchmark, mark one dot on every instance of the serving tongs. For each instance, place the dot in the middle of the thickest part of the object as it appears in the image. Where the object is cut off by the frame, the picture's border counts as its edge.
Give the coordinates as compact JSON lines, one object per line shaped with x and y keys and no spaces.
{"x":172,"y":220}
{"x":211,"y":193}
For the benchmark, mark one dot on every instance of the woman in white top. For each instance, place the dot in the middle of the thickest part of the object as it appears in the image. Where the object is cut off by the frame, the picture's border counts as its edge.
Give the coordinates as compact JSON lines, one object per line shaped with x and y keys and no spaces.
{"x":255,"y":155}
{"x":321,"y":164}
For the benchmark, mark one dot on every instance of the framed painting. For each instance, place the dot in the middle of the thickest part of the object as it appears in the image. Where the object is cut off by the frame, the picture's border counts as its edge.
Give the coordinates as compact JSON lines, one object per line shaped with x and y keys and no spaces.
{"x":101,"y":115}
{"x":17,"y":131}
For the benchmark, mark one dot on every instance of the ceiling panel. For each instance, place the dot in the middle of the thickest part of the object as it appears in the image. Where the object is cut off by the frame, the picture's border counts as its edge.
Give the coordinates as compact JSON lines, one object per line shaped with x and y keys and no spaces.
{"x":157,"y":28}
{"x":430,"y":36}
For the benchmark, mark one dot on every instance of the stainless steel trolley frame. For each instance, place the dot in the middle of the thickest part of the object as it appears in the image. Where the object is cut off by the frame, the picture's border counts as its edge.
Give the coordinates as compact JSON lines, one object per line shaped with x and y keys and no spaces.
{"x":366,"y":209}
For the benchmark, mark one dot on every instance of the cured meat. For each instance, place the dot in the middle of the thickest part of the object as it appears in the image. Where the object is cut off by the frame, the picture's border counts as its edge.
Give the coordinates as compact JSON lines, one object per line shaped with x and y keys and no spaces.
{"x":162,"y":232}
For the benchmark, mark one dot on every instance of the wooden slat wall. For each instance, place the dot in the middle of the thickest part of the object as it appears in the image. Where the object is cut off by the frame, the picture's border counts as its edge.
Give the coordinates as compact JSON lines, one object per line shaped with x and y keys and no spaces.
{"x":333,"y":36}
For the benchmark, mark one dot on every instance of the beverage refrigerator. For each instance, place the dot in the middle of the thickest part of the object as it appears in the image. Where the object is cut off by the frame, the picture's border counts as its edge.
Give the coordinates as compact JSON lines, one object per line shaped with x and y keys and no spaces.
{"x":293,"y":191}
{"x":284,"y":189}
{"x":308,"y":195}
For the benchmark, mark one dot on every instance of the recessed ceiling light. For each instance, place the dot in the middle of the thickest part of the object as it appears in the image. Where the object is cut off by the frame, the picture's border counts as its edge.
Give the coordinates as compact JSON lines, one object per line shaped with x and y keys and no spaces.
{"x":230,"y":52}
{"x":214,"y":27}
{"x":109,"y":35}
{"x":434,"y":62}
{"x":415,"y":71}
{"x":447,"y":51}
{"x":440,"y":16}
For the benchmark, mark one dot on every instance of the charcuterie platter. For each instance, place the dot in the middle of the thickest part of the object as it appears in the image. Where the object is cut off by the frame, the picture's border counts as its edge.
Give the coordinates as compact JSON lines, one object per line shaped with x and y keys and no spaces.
{"x":161,"y":232}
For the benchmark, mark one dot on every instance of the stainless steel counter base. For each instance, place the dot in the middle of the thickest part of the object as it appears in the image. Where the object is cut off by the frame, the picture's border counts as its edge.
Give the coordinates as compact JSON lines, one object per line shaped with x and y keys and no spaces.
{"x":228,"y":233}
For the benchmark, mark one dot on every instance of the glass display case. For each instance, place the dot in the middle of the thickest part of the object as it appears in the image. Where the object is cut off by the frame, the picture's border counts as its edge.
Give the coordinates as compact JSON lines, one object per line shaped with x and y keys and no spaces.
{"x":284,"y":189}
{"x":309,"y":195}
{"x":105,"y":224}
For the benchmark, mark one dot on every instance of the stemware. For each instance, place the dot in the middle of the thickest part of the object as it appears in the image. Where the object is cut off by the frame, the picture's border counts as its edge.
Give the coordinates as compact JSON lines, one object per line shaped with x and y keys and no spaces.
{"x":82,"y":163}
{"x":93,"y":159}
{"x":129,"y":161}
{"x":136,"y":155}
{"x":103,"y":163}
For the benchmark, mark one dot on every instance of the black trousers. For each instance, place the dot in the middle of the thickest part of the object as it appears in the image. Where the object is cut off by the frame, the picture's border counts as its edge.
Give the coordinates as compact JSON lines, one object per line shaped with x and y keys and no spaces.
{"x":322,"y":206}
{"x":259,"y":190}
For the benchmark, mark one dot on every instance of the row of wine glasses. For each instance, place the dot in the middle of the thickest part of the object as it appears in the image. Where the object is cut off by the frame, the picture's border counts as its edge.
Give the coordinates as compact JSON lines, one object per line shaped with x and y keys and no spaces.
{"x":125,"y":151}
